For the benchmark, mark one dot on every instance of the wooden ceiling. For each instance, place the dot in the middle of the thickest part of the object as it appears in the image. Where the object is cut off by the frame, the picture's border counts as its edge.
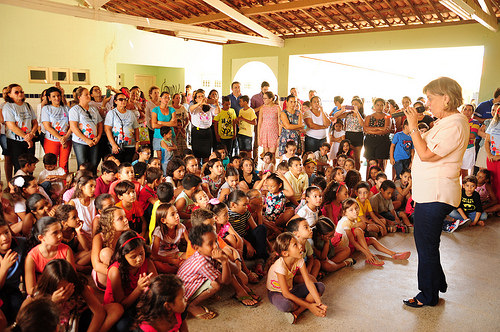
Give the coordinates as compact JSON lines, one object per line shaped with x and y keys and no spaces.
{"x":299,"y":18}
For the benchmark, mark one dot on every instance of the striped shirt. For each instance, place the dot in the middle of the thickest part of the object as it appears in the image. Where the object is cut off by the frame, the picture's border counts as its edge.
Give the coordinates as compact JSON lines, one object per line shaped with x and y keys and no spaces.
{"x":195,"y":271}
{"x":239,"y":222}
{"x":474,"y":128}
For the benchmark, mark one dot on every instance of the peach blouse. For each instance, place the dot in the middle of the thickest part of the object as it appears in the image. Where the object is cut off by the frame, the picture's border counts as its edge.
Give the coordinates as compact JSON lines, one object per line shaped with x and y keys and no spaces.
{"x":439,"y":181}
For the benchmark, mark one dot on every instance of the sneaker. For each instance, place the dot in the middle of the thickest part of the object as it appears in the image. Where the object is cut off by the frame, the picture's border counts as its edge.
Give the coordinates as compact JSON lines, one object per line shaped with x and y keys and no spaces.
{"x":464,"y":223}
{"x":453,"y":227}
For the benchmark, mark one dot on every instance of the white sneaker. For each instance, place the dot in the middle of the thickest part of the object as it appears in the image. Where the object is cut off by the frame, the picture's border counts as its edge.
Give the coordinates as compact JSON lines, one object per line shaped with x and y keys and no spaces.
{"x":453,"y":227}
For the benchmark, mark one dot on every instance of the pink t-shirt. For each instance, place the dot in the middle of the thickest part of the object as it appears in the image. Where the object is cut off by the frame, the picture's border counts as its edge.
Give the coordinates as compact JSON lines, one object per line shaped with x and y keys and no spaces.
{"x":40,"y":261}
{"x":335,"y":210}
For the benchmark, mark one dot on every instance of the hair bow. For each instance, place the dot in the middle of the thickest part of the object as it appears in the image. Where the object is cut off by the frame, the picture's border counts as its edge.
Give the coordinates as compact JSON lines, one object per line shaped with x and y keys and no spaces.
{"x":19,"y":182}
{"x":214,"y":201}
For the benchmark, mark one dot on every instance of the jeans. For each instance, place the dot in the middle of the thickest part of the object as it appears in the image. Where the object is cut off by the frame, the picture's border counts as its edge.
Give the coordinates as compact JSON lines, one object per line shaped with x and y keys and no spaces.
{"x":387,"y":215}
{"x":85,"y":153}
{"x":429,"y":219}
{"x":400,"y":165}
{"x":126,"y":154}
{"x":471,"y":215}
{"x":313,"y":144}
{"x":229,"y":144}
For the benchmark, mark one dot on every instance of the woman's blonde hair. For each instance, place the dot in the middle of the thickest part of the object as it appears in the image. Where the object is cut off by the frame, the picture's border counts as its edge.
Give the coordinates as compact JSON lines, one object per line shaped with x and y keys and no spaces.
{"x":449,"y":87}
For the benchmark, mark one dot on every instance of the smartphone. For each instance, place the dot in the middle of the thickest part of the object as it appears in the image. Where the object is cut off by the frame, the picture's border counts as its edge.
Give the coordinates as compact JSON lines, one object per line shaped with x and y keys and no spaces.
{"x":420,"y":109}
{"x":108,"y":93}
{"x":349,"y":107}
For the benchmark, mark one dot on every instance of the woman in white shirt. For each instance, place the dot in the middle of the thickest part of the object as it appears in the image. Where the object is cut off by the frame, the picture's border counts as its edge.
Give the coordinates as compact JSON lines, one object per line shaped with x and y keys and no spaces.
{"x":317,"y":123}
{"x":201,"y":119}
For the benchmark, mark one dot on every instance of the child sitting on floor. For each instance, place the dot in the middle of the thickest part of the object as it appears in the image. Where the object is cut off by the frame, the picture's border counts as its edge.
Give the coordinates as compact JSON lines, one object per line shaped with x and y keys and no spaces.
{"x":383,"y":207}
{"x":299,"y":227}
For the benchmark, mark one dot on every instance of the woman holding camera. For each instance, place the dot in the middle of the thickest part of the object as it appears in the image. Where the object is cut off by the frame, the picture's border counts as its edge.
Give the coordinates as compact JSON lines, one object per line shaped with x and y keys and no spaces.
{"x":201,"y":119}
{"x":354,"y":122}
{"x":436,"y":181}
{"x":85,"y":123}
{"x":162,"y":116}
{"x":122,"y":130}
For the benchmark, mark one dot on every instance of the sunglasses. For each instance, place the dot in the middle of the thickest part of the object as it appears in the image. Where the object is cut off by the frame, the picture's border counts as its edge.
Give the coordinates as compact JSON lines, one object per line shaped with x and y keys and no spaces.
{"x":122,"y":99}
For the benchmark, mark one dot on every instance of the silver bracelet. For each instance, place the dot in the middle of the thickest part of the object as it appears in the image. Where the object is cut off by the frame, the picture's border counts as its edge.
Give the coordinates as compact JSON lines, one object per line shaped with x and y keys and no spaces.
{"x":413,"y":130}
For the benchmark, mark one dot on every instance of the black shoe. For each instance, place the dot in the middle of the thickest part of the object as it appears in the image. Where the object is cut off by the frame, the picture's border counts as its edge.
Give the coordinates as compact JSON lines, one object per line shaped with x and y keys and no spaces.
{"x":413,"y":302}
{"x":444,"y":288}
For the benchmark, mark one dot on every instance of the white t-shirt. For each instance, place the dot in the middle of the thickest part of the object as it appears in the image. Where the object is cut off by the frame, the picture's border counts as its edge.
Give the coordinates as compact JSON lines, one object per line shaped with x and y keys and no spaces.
{"x":58,"y":118}
{"x":168,"y":246}
{"x":122,"y":125}
{"x":201,"y":119}
{"x":22,"y":115}
{"x":310,"y":216}
{"x":279,"y":267}
{"x":315,"y":133}
{"x":343,"y":225}
{"x":87,"y":122}
{"x":58,"y":186}
{"x":335,"y":145}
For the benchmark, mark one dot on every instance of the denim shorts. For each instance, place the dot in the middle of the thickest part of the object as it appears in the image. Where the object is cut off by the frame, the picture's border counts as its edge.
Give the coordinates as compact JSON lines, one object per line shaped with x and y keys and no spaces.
{"x":156,"y":144}
{"x":3,"y":144}
{"x":245,"y":143}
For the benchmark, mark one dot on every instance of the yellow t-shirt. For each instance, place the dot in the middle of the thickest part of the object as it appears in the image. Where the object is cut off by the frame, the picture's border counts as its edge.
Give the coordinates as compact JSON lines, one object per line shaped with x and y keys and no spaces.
{"x":225,"y":123}
{"x":365,"y":208}
{"x":246,"y":128}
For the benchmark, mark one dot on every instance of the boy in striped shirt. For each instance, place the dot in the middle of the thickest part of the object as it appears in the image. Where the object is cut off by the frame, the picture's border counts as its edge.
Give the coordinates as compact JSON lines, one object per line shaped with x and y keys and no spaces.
{"x":200,"y":273}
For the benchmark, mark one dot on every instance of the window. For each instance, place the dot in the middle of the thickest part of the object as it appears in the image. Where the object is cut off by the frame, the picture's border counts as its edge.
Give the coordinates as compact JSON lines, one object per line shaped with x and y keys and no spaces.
{"x":206,"y":83}
{"x":79,"y":76}
{"x":38,"y":74}
{"x":218,"y":84}
{"x":60,"y":75}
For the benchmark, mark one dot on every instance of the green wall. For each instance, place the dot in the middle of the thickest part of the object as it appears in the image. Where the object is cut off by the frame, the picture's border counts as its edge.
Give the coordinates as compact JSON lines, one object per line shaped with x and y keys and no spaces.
{"x":414,"y":38}
{"x":171,"y":76}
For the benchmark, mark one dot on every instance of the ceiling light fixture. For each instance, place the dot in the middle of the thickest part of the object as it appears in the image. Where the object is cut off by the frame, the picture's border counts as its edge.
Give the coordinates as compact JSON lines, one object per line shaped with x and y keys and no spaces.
{"x":201,"y":37}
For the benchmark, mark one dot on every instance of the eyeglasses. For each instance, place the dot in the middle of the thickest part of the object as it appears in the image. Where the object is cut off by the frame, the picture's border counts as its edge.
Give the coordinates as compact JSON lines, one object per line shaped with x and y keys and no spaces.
{"x":122,"y":99}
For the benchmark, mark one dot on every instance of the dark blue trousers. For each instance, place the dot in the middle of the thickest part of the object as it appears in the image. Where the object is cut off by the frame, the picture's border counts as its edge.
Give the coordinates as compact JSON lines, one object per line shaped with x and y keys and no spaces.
{"x":429,"y":219}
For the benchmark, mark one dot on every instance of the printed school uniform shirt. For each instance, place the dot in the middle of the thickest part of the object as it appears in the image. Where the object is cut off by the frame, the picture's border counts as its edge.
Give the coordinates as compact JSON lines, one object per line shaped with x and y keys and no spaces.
{"x":58,"y":118}
{"x":122,"y":125}
{"x":494,"y":131}
{"x":279,"y":267}
{"x":225,"y":123}
{"x":403,"y":145}
{"x":245,"y":128}
{"x":87,"y":122}
{"x":299,"y":184}
{"x":22,"y":115}
{"x":195,"y":271}
{"x":310,"y":216}
{"x":133,"y":215}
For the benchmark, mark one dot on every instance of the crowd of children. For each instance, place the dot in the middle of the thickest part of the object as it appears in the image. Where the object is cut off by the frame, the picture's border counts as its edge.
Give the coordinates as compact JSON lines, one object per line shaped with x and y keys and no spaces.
{"x":160,"y":236}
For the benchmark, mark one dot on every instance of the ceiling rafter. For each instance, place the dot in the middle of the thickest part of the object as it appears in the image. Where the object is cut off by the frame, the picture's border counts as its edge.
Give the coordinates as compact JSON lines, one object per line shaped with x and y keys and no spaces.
{"x":304,"y":21}
{"x":440,"y":17}
{"x":290,"y":21}
{"x":316,"y":20}
{"x":346,"y":17}
{"x":334,"y":21}
{"x":394,"y":9}
{"x":415,"y":11}
{"x":377,"y":12}
{"x":354,"y":9}
{"x":268,"y":16}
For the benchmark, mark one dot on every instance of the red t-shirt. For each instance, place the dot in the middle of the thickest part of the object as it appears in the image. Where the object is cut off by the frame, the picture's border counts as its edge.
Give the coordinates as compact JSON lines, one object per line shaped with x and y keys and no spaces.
{"x":101,"y":187}
{"x":114,"y":183}
{"x":133,"y":216}
{"x":374,"y":190}
{"x":146,"y":193}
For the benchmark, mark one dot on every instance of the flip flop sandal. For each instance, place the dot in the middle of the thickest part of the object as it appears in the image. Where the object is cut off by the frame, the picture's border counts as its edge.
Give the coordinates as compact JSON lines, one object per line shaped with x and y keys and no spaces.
{"x":376,"y":263}
{"x":401,"y":255}
{"x":243,"y":298}
{"x":207,"y":315}
{"x":254,"y":296}
{"x":349,"y":262}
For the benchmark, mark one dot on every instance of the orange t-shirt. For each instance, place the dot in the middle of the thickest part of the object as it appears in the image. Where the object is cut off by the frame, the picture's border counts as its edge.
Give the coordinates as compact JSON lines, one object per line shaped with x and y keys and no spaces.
{"x":190,"y":250}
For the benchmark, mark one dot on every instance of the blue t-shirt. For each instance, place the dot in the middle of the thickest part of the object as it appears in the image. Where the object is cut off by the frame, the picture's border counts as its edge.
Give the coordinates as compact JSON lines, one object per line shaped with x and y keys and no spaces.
{"x":403,"y":146}
{"x":235,"y":103}
{"x":164,"y":118}
{"x":483,"y":110}
{"x":58,"y":118}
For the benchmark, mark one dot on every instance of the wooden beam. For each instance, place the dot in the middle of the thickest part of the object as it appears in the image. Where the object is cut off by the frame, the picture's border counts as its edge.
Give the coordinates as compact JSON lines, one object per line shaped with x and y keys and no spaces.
{"x":334,"y":21}
{"x":388,"y":3}
{"x":438,"y":13}
{"x":316,"y":20}
{"x":346,"y":17}
{"x":105,"y":16}
{"x":304,"y":21}
{"x":361,"y":14}
{"x":486,"y":6}
{"x":268,"y":8}
{"x":268,"y":16}
{"x":97,"y":3}
{"x":377,"y":12}
{"x":242,"y":19}
{"x":415,"y":10}
{"x":290,"y":21}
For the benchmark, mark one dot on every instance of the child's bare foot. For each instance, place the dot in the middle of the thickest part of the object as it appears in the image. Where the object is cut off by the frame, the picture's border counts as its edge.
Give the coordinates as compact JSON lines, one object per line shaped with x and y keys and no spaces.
{"x":480,"y":223}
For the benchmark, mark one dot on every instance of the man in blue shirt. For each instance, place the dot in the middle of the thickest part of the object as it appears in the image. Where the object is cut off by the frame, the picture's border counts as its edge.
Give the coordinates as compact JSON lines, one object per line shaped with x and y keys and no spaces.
{"x":234,"y":97}
{"x":483,"y":111}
